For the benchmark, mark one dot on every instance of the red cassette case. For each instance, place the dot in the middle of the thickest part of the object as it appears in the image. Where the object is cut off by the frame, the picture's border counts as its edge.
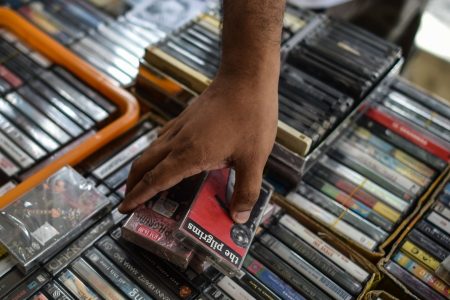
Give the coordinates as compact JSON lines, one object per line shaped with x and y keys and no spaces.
{"x":209,"y":228}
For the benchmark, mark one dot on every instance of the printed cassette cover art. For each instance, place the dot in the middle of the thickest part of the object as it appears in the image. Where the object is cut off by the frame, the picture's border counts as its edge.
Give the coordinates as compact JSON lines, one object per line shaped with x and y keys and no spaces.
{"x":47,"y":215}
{"x":208,"y":224}
{"x":152,"y":225}
{"x":166,"y":15}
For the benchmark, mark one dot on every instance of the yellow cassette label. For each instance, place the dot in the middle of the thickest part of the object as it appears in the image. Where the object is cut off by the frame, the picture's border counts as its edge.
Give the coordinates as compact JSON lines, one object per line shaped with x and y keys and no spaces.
{"x":420,"y":255}
{"x":386,"y":211}
{"x":3,"y":252}
{"x":413,"y":163}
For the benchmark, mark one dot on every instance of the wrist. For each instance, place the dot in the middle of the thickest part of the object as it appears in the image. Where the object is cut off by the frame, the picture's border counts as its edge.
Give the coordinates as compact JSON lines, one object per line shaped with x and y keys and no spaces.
{"x":250,"y":71}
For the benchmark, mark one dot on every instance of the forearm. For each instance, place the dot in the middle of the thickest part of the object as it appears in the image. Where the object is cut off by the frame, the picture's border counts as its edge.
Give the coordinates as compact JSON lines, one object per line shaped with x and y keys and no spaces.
{"x":251,"y":38}
{"x":233,"y":123}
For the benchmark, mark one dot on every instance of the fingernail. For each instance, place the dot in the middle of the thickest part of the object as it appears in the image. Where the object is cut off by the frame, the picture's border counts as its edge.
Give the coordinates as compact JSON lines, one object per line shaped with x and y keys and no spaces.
{"x":242,"y":217}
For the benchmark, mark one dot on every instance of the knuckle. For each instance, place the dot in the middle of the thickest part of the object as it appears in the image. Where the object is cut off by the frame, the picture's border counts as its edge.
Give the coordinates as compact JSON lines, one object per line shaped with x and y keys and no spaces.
{"x":149,"y":178}
{"x":179,"y":154}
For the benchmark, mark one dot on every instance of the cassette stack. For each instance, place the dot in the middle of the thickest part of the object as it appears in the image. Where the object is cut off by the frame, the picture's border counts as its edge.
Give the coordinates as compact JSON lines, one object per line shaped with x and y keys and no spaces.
{"x":45,"y":111}
{"x":163,"y":91}
{"x":419,"y":262}
{"x":110,"y":35}
{"x":42,"y":221}
{"x":192,"y":54}
{"x":340,"y":64}
{"x":346,"y":57}
{"x":153,"y":226}
{"x":293,"y":260}
{"x":107,"y":270}
{"x":308,"y":110}
{"x":99,"y":264}
{"x":185,"y":220}
{"x":417,"y":117}
{"x":367,"y":185}
{"x":290,"y":259}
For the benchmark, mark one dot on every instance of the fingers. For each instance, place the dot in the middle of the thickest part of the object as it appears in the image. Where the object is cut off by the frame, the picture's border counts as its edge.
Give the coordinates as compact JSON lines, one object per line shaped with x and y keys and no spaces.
{"x":246,"y":190}
{"x":167,"y":127}
{"x":166,"y":174}
{"x":154,"y":155}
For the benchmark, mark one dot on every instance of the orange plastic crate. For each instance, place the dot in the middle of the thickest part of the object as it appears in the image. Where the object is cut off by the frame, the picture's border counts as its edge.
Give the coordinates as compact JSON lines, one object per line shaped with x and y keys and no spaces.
{"x":57,"y":54}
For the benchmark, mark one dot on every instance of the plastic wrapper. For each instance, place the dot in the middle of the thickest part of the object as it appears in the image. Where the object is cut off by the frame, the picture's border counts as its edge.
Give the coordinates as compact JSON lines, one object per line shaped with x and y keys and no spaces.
{"x":41,"y":222}
{"x":152,"y":226}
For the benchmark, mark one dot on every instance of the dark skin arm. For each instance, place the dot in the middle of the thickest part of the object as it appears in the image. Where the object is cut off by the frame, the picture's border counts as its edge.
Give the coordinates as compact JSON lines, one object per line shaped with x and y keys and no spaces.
{"x":233,"y":123}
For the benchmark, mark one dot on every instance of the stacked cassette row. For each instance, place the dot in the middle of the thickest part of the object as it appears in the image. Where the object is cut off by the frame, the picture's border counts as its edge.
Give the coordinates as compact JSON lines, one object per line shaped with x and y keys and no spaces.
{"x":419,"y":262}
{"x":288,"y":260}
{"x":191,"y":55}
{"x":80,"y":270}
{"x":98,"y":265}
{"x":344,"y":56}
{"x":111,"y":35}
{"x":306,"y":262}
{"x":372,"y":179}
{"x":326,"y":75}
{"x":44,"y":111}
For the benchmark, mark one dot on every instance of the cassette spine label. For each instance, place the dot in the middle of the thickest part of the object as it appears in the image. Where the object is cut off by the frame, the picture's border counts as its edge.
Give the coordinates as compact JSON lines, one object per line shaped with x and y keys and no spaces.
{"x":30,"y":286}
{"x":21,"y":139}
{"x":56,"y":292}
{"x":78,"y":288}
{"x":233,"y":289}
{"x":255,"y":286}
{"x":421,"y":273}
{"x":340,"y":226}
{"x":310,"y":255}
{"x":352,"y":268}
{"x":107,"y":268}
{"x":305,"y":268}
{"x":434,"y":233}
{"x":420,"y":255}
{"x":439,"y":221}
{"x":121,"y":258}
{"x":126,"y":154}
{"x":407,"y":132}
{"x":7,"y":166}
{"x":412,"y":282}
{"x":271,"y":280}
{"x":287,"y":273}
{"x":15,"y":152}
{"x":100,"y":285}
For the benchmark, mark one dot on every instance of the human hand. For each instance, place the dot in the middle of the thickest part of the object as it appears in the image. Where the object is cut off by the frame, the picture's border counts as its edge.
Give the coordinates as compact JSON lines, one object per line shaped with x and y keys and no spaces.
{"x":232,"y":124}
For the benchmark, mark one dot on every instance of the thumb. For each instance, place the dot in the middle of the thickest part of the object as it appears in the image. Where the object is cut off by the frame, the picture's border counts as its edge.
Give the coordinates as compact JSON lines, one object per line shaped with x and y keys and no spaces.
{"x":246,"y":191}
